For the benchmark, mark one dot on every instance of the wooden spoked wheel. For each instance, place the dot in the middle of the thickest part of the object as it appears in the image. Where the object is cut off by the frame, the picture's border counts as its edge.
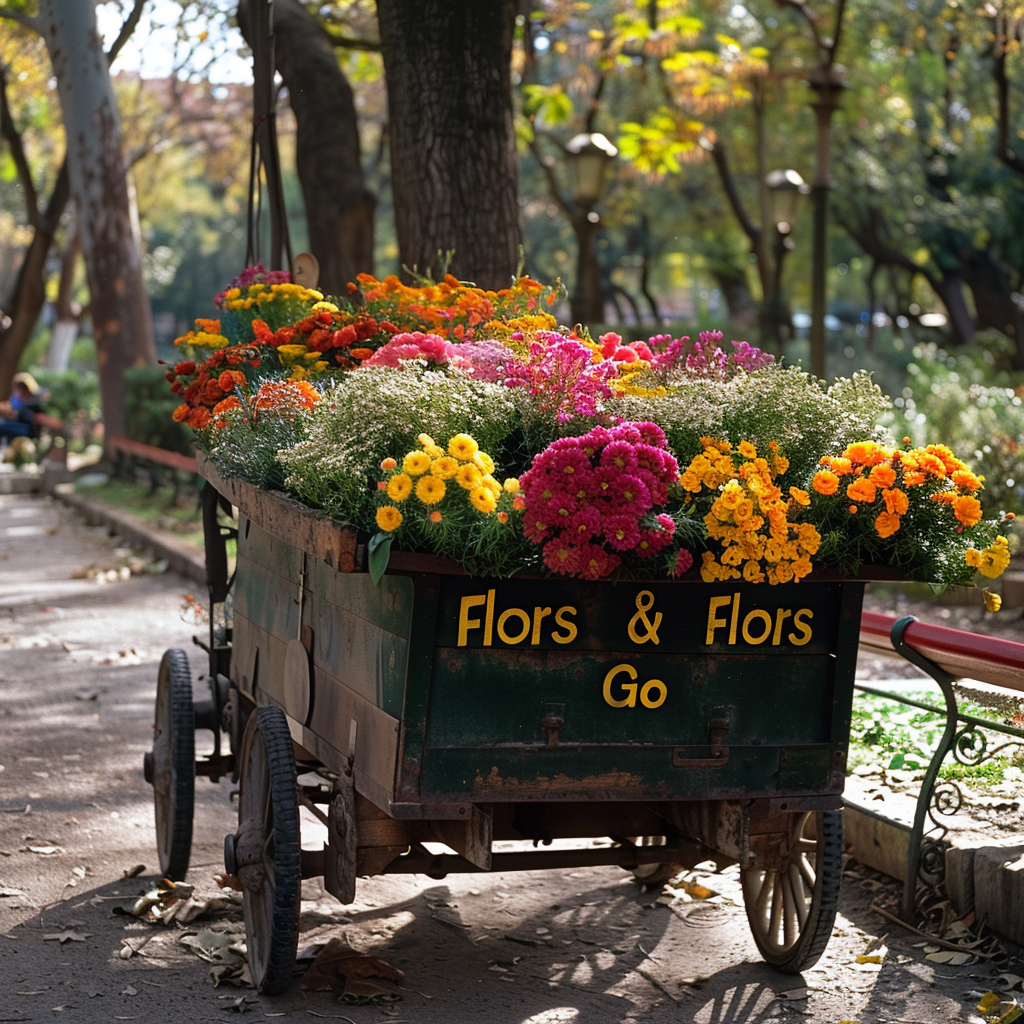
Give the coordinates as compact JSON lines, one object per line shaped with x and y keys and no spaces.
{"x":265,"y":850}
{"x":791,"y":908}
{"x":171,"y":766}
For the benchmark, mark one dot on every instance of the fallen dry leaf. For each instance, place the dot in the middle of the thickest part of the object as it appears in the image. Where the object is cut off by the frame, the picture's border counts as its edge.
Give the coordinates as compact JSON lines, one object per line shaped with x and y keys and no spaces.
{"x":340,"y":968}
{"x":68,"y":935}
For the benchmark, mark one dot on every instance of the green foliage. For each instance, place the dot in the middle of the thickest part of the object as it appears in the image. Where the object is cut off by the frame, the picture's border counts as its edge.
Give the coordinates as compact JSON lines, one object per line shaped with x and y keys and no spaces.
{"x":887,"y":734}
{"x":969,"y":401}
{"x":148,"y":405}
{"x":778,"y":403}
{"x":70,"y":393}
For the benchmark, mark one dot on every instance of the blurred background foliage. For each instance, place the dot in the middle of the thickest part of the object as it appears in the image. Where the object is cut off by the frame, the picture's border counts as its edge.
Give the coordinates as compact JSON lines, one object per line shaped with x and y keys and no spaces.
{"x":703,"y":98}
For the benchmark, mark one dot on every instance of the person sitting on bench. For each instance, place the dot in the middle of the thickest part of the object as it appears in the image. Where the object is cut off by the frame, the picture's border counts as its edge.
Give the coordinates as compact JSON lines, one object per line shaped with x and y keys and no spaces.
{"x":18,"y":415}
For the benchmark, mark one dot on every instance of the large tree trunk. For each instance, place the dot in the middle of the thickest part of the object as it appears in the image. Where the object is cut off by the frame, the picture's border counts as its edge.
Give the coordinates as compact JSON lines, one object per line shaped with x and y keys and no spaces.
{"x":453,"y":154}
{"x":29,"y":292}
{"x":993,"y":299}
{"x":121,"y":317}
{"x":339,"y":206}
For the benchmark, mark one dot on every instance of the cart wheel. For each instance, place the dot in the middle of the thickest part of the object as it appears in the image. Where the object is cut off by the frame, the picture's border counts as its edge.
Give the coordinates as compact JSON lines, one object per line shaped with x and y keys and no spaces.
{"x":791,"y":910}
{"x":171,"y":766}
{"x":266,"y":849}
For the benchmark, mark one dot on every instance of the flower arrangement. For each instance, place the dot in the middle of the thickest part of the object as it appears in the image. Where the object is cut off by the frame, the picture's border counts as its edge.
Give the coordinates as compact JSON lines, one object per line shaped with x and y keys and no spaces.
{"x":591,"y":501}
{"x":447,"y":501}
{"x":563,"y":453}
{"x":749,"y":516}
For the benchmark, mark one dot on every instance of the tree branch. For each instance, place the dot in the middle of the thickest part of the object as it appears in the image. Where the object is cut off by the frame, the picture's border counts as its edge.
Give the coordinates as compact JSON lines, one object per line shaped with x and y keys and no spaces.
{"x":10,"y":133}
{"x":805,"y":12}
{"x":750,"y":229}
{"x":548,"y":171}
{"x":127,"y":29}
{"x":28,"y":20}
{"x":344,"y":42}
{"x":1004,"y":153}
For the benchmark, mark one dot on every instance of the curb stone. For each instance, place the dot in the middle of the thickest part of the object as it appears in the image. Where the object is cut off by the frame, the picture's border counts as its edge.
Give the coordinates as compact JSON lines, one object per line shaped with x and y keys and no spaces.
{"x":187,"y":560}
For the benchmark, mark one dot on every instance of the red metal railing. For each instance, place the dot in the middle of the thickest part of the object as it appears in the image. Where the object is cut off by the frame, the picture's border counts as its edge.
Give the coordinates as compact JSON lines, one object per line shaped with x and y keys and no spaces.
{"x":962,"y":654}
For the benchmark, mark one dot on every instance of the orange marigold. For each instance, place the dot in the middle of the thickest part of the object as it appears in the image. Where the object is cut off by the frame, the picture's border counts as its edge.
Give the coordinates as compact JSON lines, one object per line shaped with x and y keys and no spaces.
{"x":896,"y":501}
{"x":886,"y":524}
{"x":862,"y":490}
{"x":882,"y":475}
{"x":825,"y":482}
{"x":967,"y":510}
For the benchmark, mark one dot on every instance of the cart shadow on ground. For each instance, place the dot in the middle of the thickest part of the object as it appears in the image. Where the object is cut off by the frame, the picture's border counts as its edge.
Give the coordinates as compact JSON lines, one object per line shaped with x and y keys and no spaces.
{"x":526,"y":948}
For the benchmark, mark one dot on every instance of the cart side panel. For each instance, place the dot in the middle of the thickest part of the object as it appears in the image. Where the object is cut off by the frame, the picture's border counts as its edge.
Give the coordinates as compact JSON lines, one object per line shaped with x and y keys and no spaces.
{"x":361,"y":632}
{"x":343,"y":693}
{"x":563,"y":690}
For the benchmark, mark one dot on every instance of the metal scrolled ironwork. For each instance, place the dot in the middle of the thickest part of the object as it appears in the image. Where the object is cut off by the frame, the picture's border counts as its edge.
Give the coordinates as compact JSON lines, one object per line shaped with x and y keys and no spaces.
{"x":970,"y":746}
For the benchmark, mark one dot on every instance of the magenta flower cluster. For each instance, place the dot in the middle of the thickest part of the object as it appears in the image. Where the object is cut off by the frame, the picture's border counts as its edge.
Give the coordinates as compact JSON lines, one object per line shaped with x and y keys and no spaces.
{"x":703,"y":358}
{"x":589,"y":500}
{"x":563,"y":370}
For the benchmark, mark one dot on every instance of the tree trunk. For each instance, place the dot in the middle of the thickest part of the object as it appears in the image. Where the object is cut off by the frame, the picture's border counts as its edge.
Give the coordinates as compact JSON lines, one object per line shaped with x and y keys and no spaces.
{"x":29,"y":292}
{"x":69,"y":313}
{"x":453,"y":153}
{"x":993,"y":299}
{"x":339,"y":206}
{"x":950,"y":289}
{"x":121,"y":317}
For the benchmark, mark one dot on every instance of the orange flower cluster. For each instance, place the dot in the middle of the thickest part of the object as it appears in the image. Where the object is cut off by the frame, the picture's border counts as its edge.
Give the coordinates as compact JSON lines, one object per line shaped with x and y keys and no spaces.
{"x":450,"y":308}
{"x":883,"y":480}
{"x":749,"y":515}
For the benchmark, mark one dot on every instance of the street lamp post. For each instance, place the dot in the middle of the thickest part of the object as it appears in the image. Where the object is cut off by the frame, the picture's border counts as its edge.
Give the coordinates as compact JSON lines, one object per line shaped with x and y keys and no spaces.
{"x":589,"y":156}
{"x":784,"y":189}
{"x":828,"y":83}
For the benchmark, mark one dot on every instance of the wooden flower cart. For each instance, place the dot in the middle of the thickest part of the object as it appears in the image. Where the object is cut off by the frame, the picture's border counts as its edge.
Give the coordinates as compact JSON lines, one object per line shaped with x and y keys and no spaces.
{"x":683,"y":721}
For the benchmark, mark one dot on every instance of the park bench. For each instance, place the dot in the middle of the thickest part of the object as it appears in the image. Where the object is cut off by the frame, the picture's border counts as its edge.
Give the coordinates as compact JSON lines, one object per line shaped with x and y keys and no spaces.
{"x":52,"y":436}
{"x":947,"y":656}
{"x":158,"y":465}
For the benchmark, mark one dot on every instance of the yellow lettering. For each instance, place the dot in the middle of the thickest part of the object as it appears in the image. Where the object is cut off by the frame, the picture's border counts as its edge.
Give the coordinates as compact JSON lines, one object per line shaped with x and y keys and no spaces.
{"x":570,"y":627}
{"x":780,"y":617}
{"x":465,"y":622}
{"x":538,"y":616}
{"x":513,"y":613}
{"x":735,"y":618}
{"x":757,"y":613}
{"x":645,"y":694}
{"x":488,"y":618}
{"x":629,"y":701}
{"x":805,"y":630}
{"x":713,"y":620}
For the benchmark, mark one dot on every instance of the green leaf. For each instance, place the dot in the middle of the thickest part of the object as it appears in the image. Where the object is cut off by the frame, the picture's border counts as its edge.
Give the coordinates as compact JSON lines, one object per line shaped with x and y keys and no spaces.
{"x":378,"y":552}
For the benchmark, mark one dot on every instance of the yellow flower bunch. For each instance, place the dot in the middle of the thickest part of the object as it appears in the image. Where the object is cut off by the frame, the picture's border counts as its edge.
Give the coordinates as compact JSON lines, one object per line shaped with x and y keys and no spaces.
{"x":426,"y":473}
{"x":992,"y":561}
{"x":204,"y":339}
{"x":260,"y":294}
{"x":749,"y":515}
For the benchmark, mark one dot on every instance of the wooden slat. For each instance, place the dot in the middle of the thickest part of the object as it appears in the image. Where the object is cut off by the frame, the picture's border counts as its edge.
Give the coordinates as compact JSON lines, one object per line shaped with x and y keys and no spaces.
{"x":325,"y":539}
{"x":962,"y":654}
{"x":175,"y":460}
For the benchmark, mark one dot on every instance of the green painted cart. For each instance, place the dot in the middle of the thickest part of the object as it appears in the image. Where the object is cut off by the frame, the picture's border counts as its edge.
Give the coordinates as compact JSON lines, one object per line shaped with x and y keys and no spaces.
{"x":681,"y":720}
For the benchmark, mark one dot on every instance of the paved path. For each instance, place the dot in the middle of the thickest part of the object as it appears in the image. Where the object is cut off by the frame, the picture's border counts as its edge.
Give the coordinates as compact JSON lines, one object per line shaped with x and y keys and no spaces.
{"x":78,"y":660}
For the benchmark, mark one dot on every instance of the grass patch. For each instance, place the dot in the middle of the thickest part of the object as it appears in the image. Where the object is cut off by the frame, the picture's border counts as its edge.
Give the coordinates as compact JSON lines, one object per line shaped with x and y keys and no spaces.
{"x":887,"y":734}
{"x":182,"y":518}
